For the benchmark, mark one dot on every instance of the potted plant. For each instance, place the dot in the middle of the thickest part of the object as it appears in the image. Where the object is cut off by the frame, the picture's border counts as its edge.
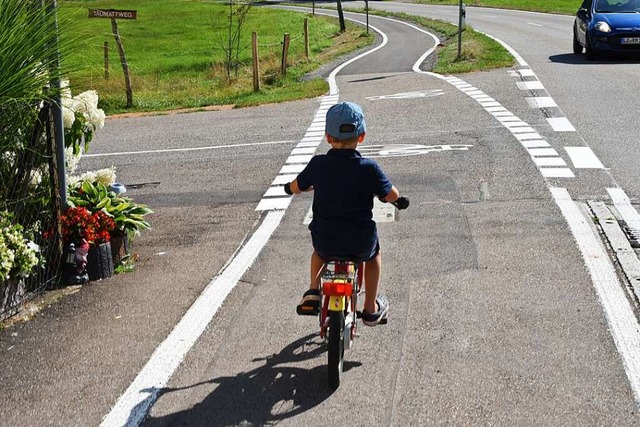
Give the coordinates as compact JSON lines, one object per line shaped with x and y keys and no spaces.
{"x":127,"y":215}
{"x":90,"y":232}
{"x":18,"y":257}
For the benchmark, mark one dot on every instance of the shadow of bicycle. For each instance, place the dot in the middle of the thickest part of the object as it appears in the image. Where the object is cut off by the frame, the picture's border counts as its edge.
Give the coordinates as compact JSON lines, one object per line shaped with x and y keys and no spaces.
{"x":270,"y":393}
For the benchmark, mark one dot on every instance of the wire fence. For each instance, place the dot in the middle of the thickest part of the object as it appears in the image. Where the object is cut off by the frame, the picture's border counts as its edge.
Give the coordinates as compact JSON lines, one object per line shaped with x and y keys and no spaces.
{"x":30,"y":242}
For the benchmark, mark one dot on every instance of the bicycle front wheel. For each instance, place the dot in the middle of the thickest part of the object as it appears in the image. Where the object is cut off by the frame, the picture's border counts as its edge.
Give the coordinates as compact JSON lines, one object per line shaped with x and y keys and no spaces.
{"x":336,"y":347}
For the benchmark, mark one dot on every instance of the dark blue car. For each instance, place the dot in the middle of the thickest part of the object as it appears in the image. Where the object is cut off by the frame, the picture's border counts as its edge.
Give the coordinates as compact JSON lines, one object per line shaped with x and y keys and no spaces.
{"x":607,"y":26}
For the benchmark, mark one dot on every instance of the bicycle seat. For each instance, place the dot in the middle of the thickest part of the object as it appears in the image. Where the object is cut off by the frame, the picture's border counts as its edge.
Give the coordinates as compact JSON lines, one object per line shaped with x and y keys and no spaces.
{"x":342,"y":258}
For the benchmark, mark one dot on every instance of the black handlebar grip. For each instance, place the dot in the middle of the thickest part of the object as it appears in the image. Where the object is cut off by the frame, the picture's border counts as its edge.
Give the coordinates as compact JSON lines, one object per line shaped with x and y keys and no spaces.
{"x":287,"y":189}
{"x":402,"y":203}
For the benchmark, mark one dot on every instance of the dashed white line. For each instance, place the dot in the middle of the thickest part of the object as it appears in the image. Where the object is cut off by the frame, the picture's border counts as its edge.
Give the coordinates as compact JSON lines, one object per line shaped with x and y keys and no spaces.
{"x":583,"y":158}
{"x":561,"y":124}
{"x":541,"y":101}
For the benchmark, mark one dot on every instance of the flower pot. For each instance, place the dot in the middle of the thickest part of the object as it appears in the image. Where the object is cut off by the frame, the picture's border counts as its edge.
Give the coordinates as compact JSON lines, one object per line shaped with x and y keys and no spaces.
{"x":120,"y":247}
{"x":100,"y":261}
{"x":11,"y":296}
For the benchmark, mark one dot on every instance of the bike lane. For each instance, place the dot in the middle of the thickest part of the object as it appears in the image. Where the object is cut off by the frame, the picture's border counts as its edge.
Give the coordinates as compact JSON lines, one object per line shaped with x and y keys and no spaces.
{"x":494,"y":319}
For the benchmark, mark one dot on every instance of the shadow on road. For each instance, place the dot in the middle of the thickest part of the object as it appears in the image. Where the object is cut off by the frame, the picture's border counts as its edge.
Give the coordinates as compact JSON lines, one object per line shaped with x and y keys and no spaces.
{"x":262,"y":396}
{"x":572,"y":58}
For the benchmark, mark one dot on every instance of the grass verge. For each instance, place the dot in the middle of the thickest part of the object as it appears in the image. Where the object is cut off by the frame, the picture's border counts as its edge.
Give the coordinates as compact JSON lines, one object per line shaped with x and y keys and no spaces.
{"x":478,"y":52}
{"x":568,"y":7}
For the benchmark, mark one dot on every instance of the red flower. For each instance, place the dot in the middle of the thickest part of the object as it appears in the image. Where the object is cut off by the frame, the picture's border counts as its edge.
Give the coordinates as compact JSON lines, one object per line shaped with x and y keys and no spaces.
{"x":79,"y":223}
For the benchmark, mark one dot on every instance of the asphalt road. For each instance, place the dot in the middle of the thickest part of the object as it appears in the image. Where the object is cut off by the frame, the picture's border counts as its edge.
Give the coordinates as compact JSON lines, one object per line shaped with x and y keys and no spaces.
{"x":495,"y":316}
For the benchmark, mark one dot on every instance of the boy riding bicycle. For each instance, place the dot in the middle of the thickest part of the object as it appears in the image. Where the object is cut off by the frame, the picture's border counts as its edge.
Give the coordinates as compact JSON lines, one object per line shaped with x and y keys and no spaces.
{"x":344,"y":184}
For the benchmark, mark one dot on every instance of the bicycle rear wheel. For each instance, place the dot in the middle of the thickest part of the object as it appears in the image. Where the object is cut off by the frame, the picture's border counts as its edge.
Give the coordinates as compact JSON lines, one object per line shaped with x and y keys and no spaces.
{"x":336,"y":347}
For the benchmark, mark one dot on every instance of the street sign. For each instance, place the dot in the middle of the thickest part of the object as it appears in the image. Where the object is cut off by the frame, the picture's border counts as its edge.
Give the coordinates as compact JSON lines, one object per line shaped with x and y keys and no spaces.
{"x":113,"y":14}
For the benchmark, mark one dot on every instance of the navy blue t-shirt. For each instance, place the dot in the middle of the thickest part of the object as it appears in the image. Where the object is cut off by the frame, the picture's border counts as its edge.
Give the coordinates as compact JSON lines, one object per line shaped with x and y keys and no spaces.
{"x":344,"y":185}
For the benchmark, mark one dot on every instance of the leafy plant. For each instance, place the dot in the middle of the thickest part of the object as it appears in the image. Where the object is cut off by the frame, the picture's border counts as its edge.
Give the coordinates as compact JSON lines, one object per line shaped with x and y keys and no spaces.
{"x":128,"y":216}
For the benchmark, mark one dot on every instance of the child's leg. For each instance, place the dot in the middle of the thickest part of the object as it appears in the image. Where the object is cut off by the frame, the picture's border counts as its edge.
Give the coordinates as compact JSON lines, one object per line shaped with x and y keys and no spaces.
{"x":310,"y":303}
{"x":372,"y":271}
{"x":317,"y":264}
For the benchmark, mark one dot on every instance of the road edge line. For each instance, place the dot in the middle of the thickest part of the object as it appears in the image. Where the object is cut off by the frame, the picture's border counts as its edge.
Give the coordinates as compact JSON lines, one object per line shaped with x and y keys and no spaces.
{"x":623,"y":324}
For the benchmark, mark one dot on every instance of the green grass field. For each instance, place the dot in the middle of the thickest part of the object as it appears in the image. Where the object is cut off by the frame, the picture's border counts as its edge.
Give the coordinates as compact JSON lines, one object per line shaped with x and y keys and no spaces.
{"x":175,"y":51}
{"x":548,"y":6}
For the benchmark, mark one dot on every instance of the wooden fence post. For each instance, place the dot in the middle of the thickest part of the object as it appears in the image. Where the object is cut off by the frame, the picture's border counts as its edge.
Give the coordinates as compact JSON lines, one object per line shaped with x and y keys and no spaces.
{"x":256,"y":62}
{"x":123,"y":60}
{"x":306,"y":38}
{"x":285,"y":52}
{"x":106,"y":60}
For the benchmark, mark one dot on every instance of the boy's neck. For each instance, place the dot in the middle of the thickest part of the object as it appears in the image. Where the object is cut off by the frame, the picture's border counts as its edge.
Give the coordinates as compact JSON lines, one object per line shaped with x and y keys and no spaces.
{"x":344,"y":145}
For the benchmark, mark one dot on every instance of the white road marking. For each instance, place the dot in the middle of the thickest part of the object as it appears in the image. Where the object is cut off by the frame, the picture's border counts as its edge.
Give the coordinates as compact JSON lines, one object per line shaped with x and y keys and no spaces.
{"x":583,"y":158}
{"x":530,"y":85}
{"x":408,"y":95}
{"x":549,"y":161}
{"x":526,"y":72}
{"x":557,"y":173}
{"x":623,"y":205}
{"x":401,"y":150}
{"x":535,"y":143}
{"x":540,"y":152}
{"x":535,"y":25}
{"x":541,"y":101}
{"x":622,"y":321}
{"x":561,"y":124}
{"x":175,"y":150}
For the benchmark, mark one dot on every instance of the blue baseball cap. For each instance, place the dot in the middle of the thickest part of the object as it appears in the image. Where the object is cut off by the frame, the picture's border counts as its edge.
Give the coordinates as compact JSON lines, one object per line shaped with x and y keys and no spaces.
{"x":345,"y":120}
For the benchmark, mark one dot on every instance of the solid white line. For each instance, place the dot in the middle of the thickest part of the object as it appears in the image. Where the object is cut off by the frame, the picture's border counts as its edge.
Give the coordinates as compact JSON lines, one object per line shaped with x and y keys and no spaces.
{"x":133,"y":405}
{"x":173,"y":150}
{"x":583,"y":158}
{"x":623,"y":324}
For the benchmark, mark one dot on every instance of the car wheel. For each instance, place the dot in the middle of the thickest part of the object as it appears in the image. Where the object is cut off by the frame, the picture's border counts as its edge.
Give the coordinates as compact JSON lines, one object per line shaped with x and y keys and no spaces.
{"x":577,"y":47}
{"x":588,"y":50}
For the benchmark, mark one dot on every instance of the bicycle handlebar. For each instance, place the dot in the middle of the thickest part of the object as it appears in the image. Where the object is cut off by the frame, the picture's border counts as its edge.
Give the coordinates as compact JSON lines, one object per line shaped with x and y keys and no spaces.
{"x":400,"y":203}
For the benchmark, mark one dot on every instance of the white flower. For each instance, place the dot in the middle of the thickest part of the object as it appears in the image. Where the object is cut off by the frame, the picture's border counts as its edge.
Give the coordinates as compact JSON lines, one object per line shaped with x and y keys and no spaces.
{"x":68,"y":116}
{"x":71,"y":160}
{"x":104,"y":176}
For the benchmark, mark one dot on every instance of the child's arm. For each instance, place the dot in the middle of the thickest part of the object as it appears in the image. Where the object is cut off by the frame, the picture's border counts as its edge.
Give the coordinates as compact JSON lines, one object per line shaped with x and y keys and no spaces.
{"x":392,"y":196}
{"x":293,"y":188}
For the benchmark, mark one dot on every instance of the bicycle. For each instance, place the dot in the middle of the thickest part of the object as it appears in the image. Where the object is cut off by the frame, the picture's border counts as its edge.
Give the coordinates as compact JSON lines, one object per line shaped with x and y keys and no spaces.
{"x":341,"y":283}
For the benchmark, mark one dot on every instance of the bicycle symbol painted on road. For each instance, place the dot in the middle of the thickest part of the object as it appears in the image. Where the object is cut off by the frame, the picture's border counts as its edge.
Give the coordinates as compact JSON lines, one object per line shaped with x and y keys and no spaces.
{"x":407,"y":149}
